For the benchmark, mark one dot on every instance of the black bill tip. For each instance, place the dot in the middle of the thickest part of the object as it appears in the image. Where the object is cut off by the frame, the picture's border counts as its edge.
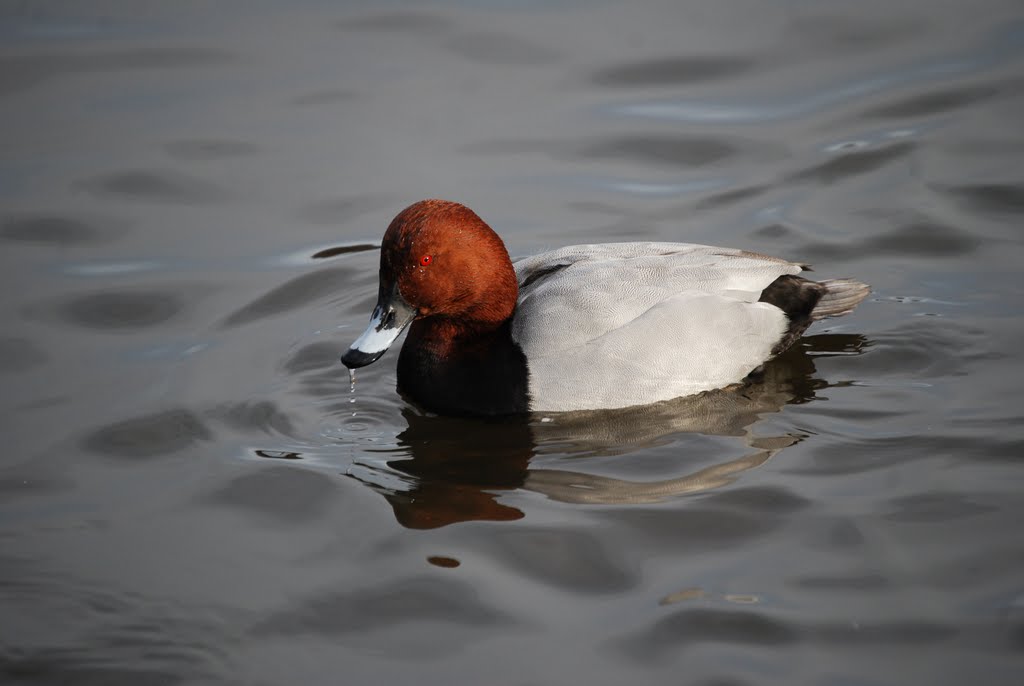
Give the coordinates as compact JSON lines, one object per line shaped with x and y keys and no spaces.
{"x":355,"y":358}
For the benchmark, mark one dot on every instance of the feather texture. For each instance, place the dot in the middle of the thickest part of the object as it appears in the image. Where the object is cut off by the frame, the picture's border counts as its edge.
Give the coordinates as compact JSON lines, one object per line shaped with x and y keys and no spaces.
{"x":620,"y":324}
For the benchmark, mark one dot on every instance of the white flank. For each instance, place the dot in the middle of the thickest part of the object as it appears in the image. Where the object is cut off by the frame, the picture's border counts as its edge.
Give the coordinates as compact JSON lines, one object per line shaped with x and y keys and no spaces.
{"x":614,"y":325}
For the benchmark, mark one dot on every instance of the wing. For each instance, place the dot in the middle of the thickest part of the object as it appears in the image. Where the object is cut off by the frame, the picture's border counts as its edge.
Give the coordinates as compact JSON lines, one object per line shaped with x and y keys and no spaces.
{"x":623,"y":324}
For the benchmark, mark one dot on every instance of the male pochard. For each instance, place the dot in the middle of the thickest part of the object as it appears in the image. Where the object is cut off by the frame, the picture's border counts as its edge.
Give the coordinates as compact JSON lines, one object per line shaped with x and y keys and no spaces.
{"x":579,"y":328}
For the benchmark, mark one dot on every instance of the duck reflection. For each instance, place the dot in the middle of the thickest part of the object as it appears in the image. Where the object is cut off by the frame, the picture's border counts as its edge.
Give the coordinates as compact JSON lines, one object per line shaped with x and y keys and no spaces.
{"x":456,"y":470}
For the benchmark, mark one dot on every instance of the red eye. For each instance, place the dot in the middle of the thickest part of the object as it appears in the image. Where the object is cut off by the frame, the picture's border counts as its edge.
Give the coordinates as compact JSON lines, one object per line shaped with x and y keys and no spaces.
{"x":426,"y":259}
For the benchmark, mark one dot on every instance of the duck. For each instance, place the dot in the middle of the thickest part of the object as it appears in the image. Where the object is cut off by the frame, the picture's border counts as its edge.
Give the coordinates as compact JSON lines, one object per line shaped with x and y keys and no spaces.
{"x":578,"y":328}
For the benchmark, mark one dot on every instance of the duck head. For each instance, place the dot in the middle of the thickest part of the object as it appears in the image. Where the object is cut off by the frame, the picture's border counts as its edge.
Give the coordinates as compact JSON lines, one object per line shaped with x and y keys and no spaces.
{"x":442,"y":265}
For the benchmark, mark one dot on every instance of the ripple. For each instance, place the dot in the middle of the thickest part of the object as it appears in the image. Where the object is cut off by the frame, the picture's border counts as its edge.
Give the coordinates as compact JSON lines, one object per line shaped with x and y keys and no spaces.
{"x":492,"y":47}
{"x":22,"y":481}
{"x":341,"y":211}
{"x":109,"y":635}
{"x":51,"y":230}
{"x":22,"y":72}
{"x":999,"y":47}
{"x":854,"y":164}
{"x":210,"y":149}
{"x":164,"y":186}
{"x":934,"y":507}
{"x":111,"y":268}
{"x":498,"y":146}
{"x":649,"y":189}
{"x":19,"y":355}
{"x":764,"y":499}
{"x":291,"y":295}
{"x":687,"y":627}
{"x":923,"y":238}
{"x":313,"y":357}
{"x":120,"y":310}
{"x":847,"y":146}
{"x":671,"y":71}
{"x":262,"y":415}
{"x":362,"y":614}
{"x":922,"y":350}
{"x":323,"y":97}
{"x":730,"y":197}
{"x":685,"y":151}
{"x":396,"y":22}
{"x":844,"y":582}
{"x":906,"y":633}
{"x":347,"y":420}
{"x":931,"y":103}
{"x":703,"y":528}
{"x":277,"y":454}
{"x":574,"y":560}
{"x":59,"y":667}
{"x":991,"y":197}
{"x":833,"y":32}
{"x":708,"y":112}
{"x":862,"y":455}
{"x":287,"y":494}
{"x":772,"y":231}
{"x":916,"y":237}
{"x":150,"y":435}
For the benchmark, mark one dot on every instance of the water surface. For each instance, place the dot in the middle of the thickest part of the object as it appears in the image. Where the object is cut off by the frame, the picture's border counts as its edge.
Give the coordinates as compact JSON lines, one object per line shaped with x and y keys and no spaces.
{"x":190,"y":204}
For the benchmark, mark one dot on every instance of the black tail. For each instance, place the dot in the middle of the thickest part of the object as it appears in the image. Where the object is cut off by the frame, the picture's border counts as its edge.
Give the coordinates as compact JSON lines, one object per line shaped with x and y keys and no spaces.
{"x":806,"y":301}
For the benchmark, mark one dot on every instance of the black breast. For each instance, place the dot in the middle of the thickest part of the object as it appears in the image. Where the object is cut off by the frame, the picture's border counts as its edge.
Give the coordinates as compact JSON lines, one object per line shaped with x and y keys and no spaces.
{"x":486,"y":376}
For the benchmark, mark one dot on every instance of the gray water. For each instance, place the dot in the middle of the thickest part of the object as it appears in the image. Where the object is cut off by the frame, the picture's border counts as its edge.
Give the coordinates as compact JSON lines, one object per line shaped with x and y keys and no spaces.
{"x":191,"y":196}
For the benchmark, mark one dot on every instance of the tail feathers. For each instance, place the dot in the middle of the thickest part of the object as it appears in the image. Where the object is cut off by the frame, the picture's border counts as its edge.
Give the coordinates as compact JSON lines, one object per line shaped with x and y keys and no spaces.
{"x":841,"y":297}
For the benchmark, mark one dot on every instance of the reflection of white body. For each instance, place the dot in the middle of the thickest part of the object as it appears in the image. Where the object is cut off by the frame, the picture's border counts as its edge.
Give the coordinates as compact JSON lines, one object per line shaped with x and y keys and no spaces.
{"x":580,"y":487}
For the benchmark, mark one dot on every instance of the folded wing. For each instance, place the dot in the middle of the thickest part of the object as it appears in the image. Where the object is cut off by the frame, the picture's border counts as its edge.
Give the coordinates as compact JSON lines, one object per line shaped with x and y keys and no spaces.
{"x":613,"y":325}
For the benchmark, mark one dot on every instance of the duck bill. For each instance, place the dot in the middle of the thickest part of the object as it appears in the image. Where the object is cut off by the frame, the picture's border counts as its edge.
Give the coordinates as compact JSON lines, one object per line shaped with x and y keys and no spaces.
{"x":391,"y":315}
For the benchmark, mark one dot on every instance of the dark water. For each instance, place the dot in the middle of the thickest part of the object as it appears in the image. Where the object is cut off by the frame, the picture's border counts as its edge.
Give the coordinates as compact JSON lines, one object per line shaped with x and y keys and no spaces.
{"x":190,"y":199}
